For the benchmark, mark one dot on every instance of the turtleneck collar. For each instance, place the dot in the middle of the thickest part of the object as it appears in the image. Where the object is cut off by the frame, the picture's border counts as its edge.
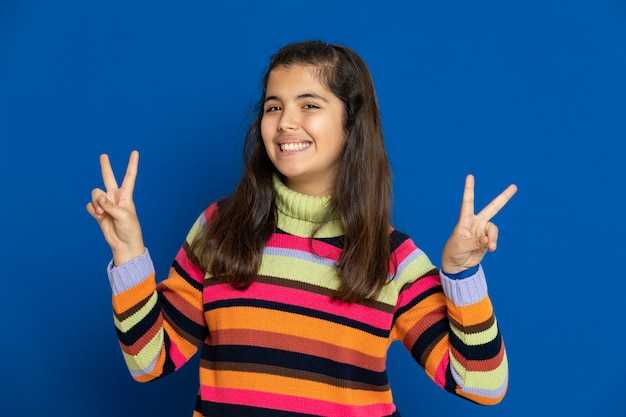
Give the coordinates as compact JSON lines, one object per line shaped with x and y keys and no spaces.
{"x":301,"y":214}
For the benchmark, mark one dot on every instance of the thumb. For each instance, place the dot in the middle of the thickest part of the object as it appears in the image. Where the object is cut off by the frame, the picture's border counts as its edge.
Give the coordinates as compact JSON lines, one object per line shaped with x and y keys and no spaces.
{"x":112,"y":209}
{"x":124,"y":229}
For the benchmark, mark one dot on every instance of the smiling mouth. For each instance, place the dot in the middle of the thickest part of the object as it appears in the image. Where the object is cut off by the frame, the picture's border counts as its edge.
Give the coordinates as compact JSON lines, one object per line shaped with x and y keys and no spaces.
{"x":286,"y":147}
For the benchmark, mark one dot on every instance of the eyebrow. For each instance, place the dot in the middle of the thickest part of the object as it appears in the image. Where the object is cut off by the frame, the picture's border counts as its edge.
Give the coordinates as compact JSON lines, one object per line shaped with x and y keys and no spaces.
{"x":298,"y":97}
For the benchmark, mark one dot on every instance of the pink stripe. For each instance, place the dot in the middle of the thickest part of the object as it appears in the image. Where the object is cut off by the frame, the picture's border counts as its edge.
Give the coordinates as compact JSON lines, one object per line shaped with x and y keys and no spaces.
{"x":304,"y":244}
{"x":209,"y":212}
{"x":194,"y":272}
{"x":177,"y":357}
{"x":401,"y":253}
{"x":440,"y":373}
{"x":417,"y":288}
{"x":181,"y":257}
{"x":300,"y":298}
{"x":291,"y":403}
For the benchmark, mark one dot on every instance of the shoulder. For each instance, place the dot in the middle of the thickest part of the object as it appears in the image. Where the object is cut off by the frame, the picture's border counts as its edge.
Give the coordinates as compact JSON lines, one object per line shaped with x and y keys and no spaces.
{"x":397,"y":238}
{"x":400,"y":242}
{"x":408,"y":261}
{"x":202,"y":220}
{"x":210,"y":211}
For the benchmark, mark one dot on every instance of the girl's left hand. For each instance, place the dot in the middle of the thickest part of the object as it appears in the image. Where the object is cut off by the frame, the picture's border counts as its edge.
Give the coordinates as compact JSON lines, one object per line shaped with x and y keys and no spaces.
{"x":474,"y":234}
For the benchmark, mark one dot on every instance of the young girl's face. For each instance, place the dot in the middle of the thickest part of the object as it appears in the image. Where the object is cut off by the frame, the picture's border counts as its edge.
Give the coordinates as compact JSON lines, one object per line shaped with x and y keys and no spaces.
{"x":302,"y":129}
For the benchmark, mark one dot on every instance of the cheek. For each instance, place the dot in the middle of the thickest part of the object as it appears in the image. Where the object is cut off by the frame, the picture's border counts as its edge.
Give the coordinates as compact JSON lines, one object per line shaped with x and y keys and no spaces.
{"x":340,"y":134}
{"x":265,"y":133}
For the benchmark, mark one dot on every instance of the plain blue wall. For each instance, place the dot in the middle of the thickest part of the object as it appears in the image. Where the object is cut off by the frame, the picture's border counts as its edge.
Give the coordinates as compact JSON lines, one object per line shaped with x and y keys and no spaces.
{"x":529,"y":92}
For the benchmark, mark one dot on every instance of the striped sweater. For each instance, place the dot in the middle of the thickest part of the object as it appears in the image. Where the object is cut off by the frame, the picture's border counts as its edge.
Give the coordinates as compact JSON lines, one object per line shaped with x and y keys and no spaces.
{"x":283,"y":347}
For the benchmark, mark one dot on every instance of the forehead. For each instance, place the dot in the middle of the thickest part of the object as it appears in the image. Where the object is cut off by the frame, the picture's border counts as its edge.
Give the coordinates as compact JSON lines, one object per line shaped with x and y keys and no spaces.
{"x":294,"y":77}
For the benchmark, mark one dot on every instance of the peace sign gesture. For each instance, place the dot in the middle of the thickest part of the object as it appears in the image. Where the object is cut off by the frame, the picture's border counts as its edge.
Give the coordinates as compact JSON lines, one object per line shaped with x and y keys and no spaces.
{"x":115,"y":212}
{"x":474,"y":234}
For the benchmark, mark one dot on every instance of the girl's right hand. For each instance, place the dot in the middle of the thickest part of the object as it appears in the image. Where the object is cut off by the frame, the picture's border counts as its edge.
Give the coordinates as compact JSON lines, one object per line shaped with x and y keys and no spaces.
{"x":114,"y":210}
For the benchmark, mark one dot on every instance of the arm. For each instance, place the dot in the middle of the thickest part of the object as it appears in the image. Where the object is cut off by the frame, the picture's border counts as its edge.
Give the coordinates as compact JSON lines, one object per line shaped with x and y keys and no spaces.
{"x":449,"y":328}
{"x":446,"y":318}
{"x":159,"y":327}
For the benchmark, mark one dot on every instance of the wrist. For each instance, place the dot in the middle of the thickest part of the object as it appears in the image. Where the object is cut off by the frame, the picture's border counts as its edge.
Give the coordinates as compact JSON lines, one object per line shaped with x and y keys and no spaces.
{"x":122,"y":256}
{"x":464,"y":273}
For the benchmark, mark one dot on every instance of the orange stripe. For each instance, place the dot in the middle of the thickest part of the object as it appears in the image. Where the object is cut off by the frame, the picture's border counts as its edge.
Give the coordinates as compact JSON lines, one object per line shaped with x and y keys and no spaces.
{"x":176,"y":284}
{"x":436,"y":356}
{"x":128,"y":299}
{"x":158,"y":369}
{"x":472,"y":314}
{"x":292,"y":324}
{"x":424,"y":324}
{"x":185,"y":346}
{"x":430,"y":305}
{"x":181,"y":303}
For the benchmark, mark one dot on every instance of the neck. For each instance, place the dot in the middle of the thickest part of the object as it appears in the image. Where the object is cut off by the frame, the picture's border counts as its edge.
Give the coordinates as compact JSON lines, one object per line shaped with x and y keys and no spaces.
{"x":304,"y":214}
{"x":318,"y":186}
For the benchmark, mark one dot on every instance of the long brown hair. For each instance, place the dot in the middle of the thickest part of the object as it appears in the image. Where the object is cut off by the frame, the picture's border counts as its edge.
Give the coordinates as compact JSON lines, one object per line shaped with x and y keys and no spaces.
{"x":232,"y":243}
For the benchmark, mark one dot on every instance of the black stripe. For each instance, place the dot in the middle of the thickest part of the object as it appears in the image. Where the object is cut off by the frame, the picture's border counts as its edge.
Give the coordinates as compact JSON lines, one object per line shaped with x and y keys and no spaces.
{"x":140,"y":329}
{"x":179,"y":269}
{"x":143,"y":326}
{"x":396,"y":239}
{"x":336,"y":241}
{"x":480,"y":352}
{"x":168,"y":366}
{"x":292,"y":360}
{"x":198,"y":331}
{"x":332,"y":241}
{"x":288,"y":308}
{"x":450,"y":384}
{"x":421,"y":297}
{"x":430,"y":335}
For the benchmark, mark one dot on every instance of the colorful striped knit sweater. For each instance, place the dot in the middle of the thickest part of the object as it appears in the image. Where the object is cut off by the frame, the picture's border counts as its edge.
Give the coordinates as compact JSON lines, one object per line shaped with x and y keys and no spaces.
{"x":283,"y":347}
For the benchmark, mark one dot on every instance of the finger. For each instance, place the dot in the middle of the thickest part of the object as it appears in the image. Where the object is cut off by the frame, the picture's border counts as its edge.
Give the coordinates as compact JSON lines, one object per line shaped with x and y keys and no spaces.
{"x":91,"y":210}
{"x":97,"y":214}
{"x":95,"y":196}
{"x":467,"y":206}
{"x":131,"y":172}
{"x":491,"y":231}
{"x":109,"y":207}
{"x":122,"y":217}
{"x":497,"y":203}
{"x":110,"y":183}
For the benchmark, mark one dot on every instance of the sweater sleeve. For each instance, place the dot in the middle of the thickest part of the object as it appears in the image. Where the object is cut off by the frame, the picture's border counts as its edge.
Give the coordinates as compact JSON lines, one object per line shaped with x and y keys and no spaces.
{"x":159,"y":326}
{"x":448,"y":326}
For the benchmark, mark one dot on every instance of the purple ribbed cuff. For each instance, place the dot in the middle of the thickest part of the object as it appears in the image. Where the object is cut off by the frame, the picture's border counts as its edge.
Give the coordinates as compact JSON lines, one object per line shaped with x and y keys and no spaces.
{"x":465,"y":291}
{"x":130,"y":274}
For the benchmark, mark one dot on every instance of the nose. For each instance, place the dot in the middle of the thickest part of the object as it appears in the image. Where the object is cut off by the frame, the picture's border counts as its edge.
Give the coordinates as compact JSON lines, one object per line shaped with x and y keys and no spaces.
{"x":288,"y":120}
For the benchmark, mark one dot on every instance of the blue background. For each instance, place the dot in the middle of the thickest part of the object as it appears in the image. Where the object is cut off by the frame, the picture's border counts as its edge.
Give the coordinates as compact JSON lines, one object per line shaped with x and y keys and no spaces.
{"x":530,"y":92}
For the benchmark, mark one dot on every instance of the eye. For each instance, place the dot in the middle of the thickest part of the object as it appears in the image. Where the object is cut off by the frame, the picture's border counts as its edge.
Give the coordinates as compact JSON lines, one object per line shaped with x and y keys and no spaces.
{"x":271,"y":109}
{"x":311,"y":106}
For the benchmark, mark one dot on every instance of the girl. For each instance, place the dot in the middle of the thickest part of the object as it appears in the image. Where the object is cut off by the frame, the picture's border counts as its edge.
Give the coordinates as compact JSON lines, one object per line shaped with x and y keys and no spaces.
{"x":295,"y":285}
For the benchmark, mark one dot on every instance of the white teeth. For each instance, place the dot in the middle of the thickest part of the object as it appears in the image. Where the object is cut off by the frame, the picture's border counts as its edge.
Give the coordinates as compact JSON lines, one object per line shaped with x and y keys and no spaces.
{"x":284,"y":147}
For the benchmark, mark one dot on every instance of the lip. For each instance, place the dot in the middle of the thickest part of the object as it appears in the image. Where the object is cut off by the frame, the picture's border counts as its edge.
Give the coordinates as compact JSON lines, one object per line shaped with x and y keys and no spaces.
{"x":291,"y":139}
